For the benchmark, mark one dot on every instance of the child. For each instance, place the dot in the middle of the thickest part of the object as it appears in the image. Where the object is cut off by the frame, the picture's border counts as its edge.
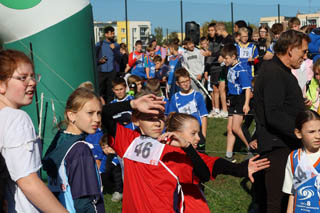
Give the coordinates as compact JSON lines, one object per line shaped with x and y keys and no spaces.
{"x":69,"y":162}
{"x":174,"y":63}
{"x":276,"y":30}
{"x":149,"y":63}
{"x":161,"y":70}
{"x":20,"y":148}
{"x":153,"y":85}
{"x":136,"y":60}
{"x":119,"y":89}
{"x":187,"y":127}
{"x":152,"y":169}
{"x":246,"y":51}
{"x":294,"y":24}
{"x":255,"y":36}
{"x":312,"y":87}
{"x":111,"y":169}
{"x":137,"y":81}
{"x":239,"y":86}
{"x":190,"y":102}
{"x":302,"y":171}
{"x":193,"y":61}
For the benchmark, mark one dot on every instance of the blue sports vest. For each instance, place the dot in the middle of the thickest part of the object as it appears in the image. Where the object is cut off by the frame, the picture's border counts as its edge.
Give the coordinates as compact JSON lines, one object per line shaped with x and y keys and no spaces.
{"x":138,"y":69}
{"x":306,"y":192}
{"x":173,"y":61}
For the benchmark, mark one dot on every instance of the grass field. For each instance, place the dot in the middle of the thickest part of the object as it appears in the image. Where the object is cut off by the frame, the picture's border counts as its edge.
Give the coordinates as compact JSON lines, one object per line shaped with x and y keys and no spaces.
{"x":225,"y":194}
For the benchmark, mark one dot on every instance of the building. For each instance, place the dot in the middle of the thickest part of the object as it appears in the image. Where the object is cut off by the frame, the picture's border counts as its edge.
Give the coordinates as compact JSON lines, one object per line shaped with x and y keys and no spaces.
{"x":137,"y":30}
{"x":312,"y":19}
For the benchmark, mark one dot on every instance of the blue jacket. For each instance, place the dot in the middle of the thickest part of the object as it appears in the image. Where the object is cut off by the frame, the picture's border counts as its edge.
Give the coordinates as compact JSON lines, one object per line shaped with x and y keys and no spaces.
{"x":113,"y":56}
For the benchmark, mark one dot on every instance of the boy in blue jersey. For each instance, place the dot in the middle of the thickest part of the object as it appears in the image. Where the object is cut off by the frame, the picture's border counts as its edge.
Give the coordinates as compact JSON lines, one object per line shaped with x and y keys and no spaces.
{"x":190,"y":102}
{"x":246,"y":51}
{"x":136,"y":61}
{"x":276,"y":29}
{"x":149,"y":63}
{"x":239,"y":86}
{"x":119,"y":89}
{"x":174,"y":63}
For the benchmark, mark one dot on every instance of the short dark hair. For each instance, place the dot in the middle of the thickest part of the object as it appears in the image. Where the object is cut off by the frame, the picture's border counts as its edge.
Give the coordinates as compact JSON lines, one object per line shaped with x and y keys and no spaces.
{"x":277,"y":28}
{"x":289,"y":39}
{"x":157,"y":58}
{"x":119,"y":81}
{"x":181,"y":72}
{"x":211,"y":25}
{"x":188,"y":40}
{"x":305,"y":116}
{"x":229,"y":50}
{"x":176,"y":41}
{"x":108,"y":29}
{"x":203,"y":38}
{"x":138,"y":42}
{"x":241,"y":23}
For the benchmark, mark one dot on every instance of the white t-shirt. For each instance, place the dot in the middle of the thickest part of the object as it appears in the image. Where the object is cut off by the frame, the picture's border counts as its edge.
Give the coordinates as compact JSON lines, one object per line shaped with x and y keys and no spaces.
{"x":288,"y":179}
{"x":20,"y":148}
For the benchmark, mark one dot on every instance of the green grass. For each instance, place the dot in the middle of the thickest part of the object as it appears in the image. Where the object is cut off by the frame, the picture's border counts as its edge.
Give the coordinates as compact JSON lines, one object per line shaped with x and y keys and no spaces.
{"x":225,"y":194}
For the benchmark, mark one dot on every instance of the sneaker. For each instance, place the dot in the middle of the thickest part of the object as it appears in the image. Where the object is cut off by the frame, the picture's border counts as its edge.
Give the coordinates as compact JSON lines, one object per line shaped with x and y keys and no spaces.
{"x":212,"y":114}
{"x":116,"y":197}
{"x":223,"y":115}
{"x":232,"y":160}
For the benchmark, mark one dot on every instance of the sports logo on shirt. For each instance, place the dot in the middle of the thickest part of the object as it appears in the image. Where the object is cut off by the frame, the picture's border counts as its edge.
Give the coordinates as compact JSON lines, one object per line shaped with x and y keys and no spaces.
{"x":305,"y":193}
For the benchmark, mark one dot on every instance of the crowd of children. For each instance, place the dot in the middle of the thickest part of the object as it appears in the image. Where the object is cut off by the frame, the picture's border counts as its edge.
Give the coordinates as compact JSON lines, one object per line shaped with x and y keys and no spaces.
{"x":147,"y":145}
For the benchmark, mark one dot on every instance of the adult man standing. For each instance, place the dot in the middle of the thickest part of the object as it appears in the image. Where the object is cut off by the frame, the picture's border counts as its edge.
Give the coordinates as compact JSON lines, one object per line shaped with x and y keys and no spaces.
{"x":278,"y":100}
{"x":108,"y":56}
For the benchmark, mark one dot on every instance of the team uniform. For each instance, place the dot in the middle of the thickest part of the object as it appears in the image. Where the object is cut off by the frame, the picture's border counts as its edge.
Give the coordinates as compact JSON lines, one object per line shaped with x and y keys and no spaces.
{"x":151,"y":65}
{"x":124,"y":118}
{"x":69,"y":164}
{"x":270,"y":49}
{"x":191,"y":103}
{"x":173,"y":63}
{"x":152,"y":173}
{"x":238,"y":80}
{"x":302,"y":180}
{"x":246,"y":51}
{"x":137,"y":65}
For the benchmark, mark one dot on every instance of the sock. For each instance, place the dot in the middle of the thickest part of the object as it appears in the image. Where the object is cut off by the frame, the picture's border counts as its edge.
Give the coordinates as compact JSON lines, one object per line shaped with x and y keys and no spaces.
{"x":229,"y":154}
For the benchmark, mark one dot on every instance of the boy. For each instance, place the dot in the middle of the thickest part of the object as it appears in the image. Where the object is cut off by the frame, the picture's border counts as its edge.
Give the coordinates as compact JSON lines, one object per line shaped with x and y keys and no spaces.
{"x":135,"y":83}
{"x":193,"y":61}
{"x":190,"y":102}
{"x":294,"y":24}
{"x":149,"y":64}
{"x":239,"y":86}
{"x":246,"y":51}
{"x":136,"y":60}
{"x":174,"y":63}
{"x":110,"y":169}
{"x":119,"y":89}
{"x":161,"y":70}
{"x":276,"y":29}
{"x":153,"y":85}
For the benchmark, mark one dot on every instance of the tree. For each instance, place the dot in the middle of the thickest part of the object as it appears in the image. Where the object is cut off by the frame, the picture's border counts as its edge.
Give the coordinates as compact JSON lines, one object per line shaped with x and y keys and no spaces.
{"x":171,"y":37}
{"x":159,"y":35}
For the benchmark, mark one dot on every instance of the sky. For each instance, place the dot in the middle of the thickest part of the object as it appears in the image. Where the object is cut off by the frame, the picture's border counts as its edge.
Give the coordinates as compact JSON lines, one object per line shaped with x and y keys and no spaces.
{"x":166,"y":13}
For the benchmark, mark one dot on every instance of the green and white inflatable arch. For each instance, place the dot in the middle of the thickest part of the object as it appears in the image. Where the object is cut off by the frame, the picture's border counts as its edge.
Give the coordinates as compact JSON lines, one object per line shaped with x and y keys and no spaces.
{"x":61,"y":35}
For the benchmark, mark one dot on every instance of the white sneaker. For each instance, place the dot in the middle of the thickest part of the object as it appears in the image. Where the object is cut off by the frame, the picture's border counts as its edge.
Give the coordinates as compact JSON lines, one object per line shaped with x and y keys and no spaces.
{"x":116,"y":197}
{"x":213,"y":113}
{"x":223,"y":115}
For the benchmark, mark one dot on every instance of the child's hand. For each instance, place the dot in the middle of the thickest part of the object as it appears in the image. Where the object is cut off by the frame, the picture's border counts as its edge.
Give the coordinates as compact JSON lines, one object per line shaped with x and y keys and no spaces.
{"x":246,"y":109}
{"x":307,"y":103}
{"x":173,"y":139}
{"x":250,"y":59}
{"x":254,"y":144}
{"x":255,"y":166}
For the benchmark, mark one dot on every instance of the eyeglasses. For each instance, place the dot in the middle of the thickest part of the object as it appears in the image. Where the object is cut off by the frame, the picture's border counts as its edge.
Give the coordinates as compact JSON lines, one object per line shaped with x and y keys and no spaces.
{"x":26,"y":79}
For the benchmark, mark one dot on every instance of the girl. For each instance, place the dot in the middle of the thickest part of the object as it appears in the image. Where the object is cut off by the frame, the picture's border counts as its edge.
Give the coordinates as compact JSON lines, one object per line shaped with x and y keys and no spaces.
{"x":302,"y":171}
{"x":187,"y":127}
{"x":152,"y":170}
{"x":70,"y":165}
{"x":19,"y":146}
{"x":311,"y":89}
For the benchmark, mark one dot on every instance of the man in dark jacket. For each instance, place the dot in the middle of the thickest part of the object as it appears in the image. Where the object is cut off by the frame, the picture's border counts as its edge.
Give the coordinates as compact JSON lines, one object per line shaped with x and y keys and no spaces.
{"x":278,"y":100}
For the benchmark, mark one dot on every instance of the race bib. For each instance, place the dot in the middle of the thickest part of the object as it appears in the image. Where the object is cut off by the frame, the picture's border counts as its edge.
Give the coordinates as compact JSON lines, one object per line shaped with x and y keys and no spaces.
{"x":189,"y":108}
{"x":246,"y":52}
{"x":145,"y":149}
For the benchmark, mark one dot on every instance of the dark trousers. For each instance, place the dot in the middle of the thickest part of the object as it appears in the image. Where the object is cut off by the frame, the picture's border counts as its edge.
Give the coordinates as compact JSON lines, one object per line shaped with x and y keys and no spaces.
{"x":112,"y":178}
{"x":105,"y":85}
{"x":268,"y":183}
